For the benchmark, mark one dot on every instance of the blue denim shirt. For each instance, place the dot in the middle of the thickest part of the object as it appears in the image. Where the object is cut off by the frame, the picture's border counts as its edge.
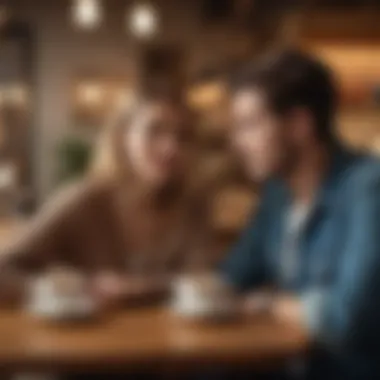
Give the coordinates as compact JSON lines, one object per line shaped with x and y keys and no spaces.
{"x":338,"y":280}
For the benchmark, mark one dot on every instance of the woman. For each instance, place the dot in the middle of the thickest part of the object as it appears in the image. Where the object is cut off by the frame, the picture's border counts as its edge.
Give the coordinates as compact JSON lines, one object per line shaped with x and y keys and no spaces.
{"x":136,"y":216}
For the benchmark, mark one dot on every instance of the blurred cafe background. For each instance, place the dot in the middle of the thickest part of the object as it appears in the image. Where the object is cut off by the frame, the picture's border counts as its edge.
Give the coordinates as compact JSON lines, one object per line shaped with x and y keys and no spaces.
{"x":64,"y":64}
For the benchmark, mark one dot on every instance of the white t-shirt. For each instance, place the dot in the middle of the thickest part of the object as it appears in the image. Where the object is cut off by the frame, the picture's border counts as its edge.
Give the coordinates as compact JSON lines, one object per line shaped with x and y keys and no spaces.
{"x":295,"y":223}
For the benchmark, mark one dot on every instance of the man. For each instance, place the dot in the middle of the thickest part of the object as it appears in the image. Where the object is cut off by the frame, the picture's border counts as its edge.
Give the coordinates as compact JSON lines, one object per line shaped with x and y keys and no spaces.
{"x":316,"y":235}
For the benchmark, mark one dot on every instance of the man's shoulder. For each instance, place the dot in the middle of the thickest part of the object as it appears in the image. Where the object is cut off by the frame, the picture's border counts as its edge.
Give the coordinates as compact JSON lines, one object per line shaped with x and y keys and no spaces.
{"x":362,"y":173}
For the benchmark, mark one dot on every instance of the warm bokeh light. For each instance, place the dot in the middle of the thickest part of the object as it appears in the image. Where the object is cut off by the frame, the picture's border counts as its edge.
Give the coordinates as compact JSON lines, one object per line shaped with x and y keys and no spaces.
{"x":87,"y":14}
{"x":207,"y":95}
{"x":143,"y":20}
{"x":90,"y":94}
{"x":14,"y":95}
{"x":7,"y":175}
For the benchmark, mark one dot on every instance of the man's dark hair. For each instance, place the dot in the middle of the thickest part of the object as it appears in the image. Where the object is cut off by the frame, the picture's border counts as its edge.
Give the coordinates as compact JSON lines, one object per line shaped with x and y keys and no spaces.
{"x":291,"y":79}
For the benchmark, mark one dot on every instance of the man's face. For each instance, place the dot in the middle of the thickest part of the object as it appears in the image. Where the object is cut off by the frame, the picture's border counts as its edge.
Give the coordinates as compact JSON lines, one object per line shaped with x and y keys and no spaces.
{"x":259,"y":136}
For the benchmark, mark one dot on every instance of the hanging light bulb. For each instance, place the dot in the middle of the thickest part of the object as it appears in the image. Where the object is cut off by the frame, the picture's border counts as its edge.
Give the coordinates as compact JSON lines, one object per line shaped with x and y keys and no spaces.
{"x":87,"y":14}
{"x":143,"y":20}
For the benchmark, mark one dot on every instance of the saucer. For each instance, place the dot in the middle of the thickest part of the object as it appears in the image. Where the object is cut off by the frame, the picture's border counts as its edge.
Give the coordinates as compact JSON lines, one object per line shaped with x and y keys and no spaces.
{"x":202,"y":298}
{"x":63,"y":309}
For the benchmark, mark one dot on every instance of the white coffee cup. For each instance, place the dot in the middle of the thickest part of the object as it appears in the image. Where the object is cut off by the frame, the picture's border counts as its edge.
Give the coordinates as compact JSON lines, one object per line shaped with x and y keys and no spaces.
{"x":202,"y":297}
{"x":49,"y":299}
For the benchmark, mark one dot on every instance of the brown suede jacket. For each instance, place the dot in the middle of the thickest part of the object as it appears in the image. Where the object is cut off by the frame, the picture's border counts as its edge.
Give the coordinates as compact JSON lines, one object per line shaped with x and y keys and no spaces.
{"x":88,"y":226}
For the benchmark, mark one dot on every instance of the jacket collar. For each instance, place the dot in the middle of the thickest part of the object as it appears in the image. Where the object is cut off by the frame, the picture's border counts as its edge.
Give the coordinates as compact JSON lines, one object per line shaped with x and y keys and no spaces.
{"x":341,"y":160}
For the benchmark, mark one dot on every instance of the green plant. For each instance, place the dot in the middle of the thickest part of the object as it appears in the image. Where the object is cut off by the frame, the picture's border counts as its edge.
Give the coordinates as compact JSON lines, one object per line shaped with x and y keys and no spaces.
{"x":74,"y":154}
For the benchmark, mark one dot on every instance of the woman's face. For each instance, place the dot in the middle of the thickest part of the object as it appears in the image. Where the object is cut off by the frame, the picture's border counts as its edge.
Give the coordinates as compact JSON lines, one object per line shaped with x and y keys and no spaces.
{"x":157,"y":143}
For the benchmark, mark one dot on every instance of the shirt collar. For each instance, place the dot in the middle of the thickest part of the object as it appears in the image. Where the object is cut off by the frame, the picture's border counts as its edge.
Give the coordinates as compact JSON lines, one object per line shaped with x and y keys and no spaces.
{"x":341,"y":158}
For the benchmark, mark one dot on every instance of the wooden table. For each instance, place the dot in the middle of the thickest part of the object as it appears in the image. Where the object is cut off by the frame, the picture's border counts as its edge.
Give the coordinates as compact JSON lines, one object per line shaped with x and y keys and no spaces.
{"x":140,"y":338}
{"x":143,"y":338}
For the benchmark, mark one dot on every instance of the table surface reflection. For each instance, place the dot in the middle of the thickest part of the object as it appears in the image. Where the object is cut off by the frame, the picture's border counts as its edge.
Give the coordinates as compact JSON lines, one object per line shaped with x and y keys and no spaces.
{"x":143,"y":337}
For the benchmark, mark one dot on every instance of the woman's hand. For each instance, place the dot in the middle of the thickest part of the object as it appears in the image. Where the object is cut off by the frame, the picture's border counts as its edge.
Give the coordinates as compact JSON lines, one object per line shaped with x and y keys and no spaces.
{"x":288,"y":308}
{"x":107,"y":288}
{"x":112,"y":288}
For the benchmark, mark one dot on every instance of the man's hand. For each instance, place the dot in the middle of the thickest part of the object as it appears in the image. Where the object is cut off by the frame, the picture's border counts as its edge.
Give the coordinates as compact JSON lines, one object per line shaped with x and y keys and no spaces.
{"x":287,"y":308}
{"x":283,"y":307}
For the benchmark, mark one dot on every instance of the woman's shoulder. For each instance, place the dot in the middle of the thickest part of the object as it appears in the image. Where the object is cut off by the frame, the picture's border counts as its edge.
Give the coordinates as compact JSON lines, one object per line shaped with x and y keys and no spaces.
{"x":75,"y":197}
